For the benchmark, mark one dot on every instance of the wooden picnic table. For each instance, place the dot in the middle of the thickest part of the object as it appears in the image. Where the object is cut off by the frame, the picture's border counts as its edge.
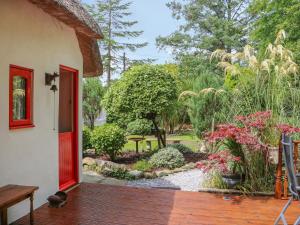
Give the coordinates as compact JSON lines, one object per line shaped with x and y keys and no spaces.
{"x":13,"y":194}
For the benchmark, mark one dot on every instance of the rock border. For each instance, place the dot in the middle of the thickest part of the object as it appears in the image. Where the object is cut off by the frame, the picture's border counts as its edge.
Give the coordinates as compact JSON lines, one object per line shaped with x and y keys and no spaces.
{"x":102,"y":166}
{"x":233,"y":191}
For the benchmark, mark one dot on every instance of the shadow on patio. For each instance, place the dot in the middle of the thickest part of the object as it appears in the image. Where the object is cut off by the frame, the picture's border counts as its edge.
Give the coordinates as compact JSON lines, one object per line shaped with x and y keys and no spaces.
{"x":97,"y":204}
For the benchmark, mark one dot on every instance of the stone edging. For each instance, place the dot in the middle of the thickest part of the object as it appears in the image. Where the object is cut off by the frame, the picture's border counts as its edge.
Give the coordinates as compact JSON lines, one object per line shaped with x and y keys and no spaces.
{"x":104,"y":167}
{"x":232,"y":191}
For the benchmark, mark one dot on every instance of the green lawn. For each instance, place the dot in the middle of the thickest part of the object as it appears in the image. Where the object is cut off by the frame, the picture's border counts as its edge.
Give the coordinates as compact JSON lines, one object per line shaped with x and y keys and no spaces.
{"x":188,"y":139}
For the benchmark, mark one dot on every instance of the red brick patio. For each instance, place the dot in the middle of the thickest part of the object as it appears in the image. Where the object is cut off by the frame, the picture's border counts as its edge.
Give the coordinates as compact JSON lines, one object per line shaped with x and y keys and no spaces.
{"x":96,"y":204}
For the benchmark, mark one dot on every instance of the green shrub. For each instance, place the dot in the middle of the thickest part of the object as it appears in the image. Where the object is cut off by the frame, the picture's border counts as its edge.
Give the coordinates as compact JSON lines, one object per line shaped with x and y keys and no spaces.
{"x":207,"y":109}
{"x":118,"y":173}
{"x":139,"y":127}
{"x":86,"y":138}
{"x":108,"y":139}
{"x":143,"y":91}
{"x":214,"y":180}
{"x":182,"y":148}
{"x":167,"y":158}
{"x":142,"y":165}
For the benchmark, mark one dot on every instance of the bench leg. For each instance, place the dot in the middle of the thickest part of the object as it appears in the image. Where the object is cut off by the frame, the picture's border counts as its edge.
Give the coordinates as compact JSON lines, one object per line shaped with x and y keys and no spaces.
{"x":31,"y":210}
{"x":136,"y":147}
{"x":149,"y":147}
{"x":4,"y":216}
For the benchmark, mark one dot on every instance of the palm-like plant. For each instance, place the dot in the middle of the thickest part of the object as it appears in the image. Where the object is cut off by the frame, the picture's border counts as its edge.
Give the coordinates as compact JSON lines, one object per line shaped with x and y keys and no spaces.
{"x":206,"y":91}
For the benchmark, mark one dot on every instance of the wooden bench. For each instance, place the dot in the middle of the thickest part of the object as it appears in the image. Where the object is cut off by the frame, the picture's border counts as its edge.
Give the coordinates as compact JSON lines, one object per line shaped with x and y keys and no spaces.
{"x":13,"y":194}
{"x":174,"y":141}
{"x":149,"y":142}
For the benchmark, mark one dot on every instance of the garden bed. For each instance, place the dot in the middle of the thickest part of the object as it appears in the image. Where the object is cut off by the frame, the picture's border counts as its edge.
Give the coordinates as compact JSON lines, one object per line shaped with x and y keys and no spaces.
{"x":124,"y":167}
{"x":129,"y":158}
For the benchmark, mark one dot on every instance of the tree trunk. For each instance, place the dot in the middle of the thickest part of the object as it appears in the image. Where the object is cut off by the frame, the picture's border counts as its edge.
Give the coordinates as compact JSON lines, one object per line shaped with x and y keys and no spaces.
{"x":171,"y":128}
{"x":160,"y":140}
{"x":91,"y":122}
{"x":124,"y":62}
{"x":229,"y":15}
{"x":164,"y":139}
{"x":166,"y":126}
{"x":109,"y":45}
{"x":183,"y":122}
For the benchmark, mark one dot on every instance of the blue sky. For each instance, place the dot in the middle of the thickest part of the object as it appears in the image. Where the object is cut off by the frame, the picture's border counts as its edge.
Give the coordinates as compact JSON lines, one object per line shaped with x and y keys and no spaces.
{"x":154,"y":19}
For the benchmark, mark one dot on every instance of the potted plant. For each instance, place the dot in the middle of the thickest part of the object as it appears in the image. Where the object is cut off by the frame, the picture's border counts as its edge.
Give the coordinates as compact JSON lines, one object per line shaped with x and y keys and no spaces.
{"x":233,"y":173}
{"x":230,"y":167}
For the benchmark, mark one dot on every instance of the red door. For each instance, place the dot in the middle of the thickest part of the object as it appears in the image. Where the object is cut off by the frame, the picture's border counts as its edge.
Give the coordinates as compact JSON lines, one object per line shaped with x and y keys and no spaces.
{"x":68,"y":126}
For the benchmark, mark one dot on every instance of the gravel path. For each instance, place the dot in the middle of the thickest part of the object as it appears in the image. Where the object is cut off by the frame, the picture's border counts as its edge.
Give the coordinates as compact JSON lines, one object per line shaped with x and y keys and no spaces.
{"x":186,"y":181}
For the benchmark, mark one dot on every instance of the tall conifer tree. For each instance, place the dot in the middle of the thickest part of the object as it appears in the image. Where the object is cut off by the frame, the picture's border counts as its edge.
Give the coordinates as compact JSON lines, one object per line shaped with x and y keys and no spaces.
{"x":112,"y":16}
{"x":207,"y":25}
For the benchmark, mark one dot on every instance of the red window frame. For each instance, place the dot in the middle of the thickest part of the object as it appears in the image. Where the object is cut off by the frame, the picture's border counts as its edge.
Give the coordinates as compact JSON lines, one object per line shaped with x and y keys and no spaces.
{"x":28,"y":75}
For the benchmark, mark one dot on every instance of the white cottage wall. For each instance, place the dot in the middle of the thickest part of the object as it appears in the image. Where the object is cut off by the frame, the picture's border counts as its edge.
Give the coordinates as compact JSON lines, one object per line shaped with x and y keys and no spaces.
{"x":31,"y":38}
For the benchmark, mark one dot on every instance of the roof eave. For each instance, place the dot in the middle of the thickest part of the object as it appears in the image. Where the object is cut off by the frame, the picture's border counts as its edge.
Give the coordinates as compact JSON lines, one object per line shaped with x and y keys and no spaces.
{"x":72,"y":13}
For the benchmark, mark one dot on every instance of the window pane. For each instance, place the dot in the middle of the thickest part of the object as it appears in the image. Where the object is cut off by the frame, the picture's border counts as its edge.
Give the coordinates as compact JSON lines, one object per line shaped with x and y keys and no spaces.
{"x":19,"y":98}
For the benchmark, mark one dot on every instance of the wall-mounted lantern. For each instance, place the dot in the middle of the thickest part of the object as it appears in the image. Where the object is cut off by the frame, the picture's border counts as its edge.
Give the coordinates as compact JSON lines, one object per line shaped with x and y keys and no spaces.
{"x":50,"y":81}
{"x":49,"y":78}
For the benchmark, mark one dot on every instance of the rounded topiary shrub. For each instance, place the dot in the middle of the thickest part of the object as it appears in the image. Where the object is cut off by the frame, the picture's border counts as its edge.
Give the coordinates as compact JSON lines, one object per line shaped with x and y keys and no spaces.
{"x":167,"y":158}
{"x":139,"y":127}
{"x":181,"y":147}
{"x":86,"y":138}
{"x":108,"y":139}
{"x":143,"y":91}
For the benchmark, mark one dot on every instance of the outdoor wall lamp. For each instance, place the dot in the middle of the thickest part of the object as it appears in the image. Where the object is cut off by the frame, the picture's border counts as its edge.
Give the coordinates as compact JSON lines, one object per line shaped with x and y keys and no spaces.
{"x":50,"y":81}
{"x":49,"y":78}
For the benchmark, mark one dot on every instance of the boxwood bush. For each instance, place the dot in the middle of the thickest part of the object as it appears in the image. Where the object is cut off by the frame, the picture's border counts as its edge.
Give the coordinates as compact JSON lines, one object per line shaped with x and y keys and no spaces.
{"x":108,"y":139}
{"x":86,"y":138}
{"x":139,"y":127}
{"x":118,"y":173}
{"x":167,"y":158}
{"x":181,"y":147}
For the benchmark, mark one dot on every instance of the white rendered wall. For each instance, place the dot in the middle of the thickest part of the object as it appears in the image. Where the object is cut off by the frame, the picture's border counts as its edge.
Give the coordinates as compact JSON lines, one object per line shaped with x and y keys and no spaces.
{"x":31,"y":38}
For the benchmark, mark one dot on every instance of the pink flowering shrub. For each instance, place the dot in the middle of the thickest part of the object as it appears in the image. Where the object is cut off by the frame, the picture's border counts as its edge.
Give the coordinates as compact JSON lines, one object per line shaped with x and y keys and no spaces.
{"x":248,"y":141}
{"x":223,"y":161}
{"x":240,"y":135}
{"x":287,"y":129}
{"x":258,"y":120}
{"x":249,"y":131}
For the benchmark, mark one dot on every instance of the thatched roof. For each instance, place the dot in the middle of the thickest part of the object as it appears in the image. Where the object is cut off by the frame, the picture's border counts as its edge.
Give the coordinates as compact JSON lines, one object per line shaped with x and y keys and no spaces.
{"x":72,"y":13}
